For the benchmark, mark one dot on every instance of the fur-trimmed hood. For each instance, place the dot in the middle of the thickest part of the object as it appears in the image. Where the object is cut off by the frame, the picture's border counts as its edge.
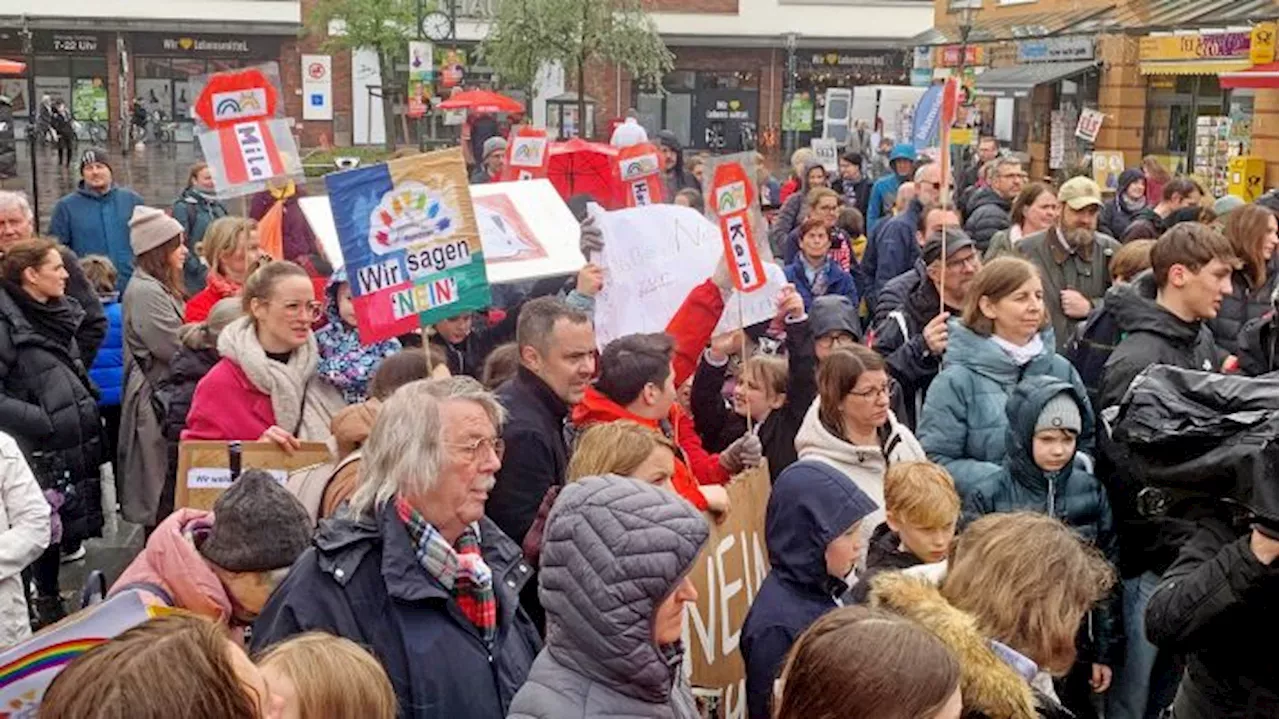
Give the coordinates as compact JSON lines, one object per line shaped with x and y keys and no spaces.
{"x":990,"y":687}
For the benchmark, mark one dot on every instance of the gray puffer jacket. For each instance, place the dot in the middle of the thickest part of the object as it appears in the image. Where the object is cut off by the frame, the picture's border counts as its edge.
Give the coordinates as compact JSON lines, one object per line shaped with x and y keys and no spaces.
{"x":614,"y":549}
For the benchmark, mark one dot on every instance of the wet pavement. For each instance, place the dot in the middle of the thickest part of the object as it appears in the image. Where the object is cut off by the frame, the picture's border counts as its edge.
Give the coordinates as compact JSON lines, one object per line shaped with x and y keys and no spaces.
{"x":111,"y":553}
{"x":157,"y":171}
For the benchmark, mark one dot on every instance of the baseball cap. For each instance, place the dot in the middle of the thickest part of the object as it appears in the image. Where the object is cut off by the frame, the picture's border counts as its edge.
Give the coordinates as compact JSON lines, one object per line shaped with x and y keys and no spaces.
{"x":1080,"y":192}
{"x":956,"y":240}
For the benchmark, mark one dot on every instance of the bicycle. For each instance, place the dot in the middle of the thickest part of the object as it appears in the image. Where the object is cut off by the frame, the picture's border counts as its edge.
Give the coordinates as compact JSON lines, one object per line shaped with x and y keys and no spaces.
{"x":166,"y":131}
{"x":94,"y":130}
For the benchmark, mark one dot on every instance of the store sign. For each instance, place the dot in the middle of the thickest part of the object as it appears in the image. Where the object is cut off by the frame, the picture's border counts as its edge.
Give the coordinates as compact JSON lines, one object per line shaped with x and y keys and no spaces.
{"x":734,"y":109}
{"x":922,"y":58}
{"x":317,"y":87}
{"x":869,"y":60}
{"x":46,"y":42}
{"x":1262,"y":43}
{"x":205,"y":45}
{"x":949,"y":55}
{"x":1051,"y":49}
{"x":1194,"y":47}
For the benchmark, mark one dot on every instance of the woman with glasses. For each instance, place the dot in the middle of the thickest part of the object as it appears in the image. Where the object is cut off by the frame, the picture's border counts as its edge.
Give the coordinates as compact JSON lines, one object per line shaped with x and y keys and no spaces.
{"x":265,"y":386}
{"x":152,"y":303}
{"x":852,"y":428}
{"x":1003,"y":336}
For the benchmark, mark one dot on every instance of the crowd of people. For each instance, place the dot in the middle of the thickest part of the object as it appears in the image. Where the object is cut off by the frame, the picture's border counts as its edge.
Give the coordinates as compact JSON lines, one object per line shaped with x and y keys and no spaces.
{"x":510,"y":514}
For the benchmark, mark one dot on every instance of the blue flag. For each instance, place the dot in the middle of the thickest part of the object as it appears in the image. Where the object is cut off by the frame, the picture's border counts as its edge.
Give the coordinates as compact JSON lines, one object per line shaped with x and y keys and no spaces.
{"x":924,"y":121}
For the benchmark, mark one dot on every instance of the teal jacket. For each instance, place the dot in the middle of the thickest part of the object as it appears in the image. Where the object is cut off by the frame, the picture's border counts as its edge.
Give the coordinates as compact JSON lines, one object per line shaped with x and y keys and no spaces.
{"x":196,"y":211}
{"x":963,"y":425}
{"x":93,"y":223}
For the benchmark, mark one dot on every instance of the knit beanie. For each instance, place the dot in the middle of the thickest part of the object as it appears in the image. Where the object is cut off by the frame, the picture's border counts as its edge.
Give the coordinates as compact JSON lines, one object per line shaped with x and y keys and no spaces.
{"x":257,"y":526}
{"x":149,"y":228}
{"x":1060,"y":412}
{"x":92,"y":155}
{"x":494,"y":144}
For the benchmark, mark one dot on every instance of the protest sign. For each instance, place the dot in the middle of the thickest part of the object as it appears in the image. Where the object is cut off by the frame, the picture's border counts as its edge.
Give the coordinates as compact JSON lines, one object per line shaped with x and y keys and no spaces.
{"x":526,"y":229}
{"x":243,"y":138}
{"x":653,"y":257}
{"x":759,"y":229}
{"x":732,"y":197}
{"x":27,"y":669}
{"x":639,"y":167}
{"x":727,"y":574}
{"x":206,"y":468}
{"x":827,"y":153}
{"x":407,"y":230}
{"x":527,"y":154}
{"x":1089,"y":124}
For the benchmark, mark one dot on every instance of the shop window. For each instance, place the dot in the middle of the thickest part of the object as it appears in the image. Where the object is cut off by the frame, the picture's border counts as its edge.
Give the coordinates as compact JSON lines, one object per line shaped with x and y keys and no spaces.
{"x":153,"y":67}
{"x":680,"y":81}
{"x":746,"y":80}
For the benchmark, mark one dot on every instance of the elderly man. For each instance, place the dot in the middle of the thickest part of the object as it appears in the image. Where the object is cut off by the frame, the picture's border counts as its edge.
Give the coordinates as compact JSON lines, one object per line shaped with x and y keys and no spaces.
{"x":94,"y":220}
{"x":16,"y":224}
{"x":988,"y":210}
{"x":414,"y":570}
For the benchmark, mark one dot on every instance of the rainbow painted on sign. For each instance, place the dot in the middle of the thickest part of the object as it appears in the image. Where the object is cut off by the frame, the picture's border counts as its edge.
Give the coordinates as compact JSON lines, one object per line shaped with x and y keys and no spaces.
{"x":50,"y":657}
{"x":407,"y":216}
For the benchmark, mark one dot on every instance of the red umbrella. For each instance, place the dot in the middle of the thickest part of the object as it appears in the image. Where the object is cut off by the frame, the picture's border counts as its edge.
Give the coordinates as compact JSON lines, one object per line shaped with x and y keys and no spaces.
{"x":1258,"y":77}
{"x":579,"y":167}
{"x":482,"y":101}
{"x":12,"y":67}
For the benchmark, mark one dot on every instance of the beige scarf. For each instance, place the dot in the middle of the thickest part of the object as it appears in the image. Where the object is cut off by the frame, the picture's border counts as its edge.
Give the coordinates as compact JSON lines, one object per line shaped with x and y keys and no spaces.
{"x":301,"y":402}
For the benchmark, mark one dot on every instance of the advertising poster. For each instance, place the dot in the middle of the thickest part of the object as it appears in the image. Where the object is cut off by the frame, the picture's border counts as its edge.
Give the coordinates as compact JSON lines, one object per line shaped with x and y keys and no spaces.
{"x":409,"y":241}
{"x":421,"y":69}
{"x":89,"y":100}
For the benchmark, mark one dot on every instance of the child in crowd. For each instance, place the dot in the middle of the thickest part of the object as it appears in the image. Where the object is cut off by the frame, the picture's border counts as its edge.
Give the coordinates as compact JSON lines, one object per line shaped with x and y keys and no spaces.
{"x":851,"y":222}
{"x":346,"y":362}
{"x":321,"y":676}
{"x":107,"y":371}
{"x":1040,"y":474}
{"x":921,"y":512}
{"x":774,"y":392}
{"x":813,"y":272}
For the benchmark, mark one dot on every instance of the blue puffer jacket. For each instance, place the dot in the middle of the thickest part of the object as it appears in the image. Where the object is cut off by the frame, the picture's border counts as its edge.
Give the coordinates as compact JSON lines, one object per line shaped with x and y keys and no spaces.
{"x":107,"y":371}
{"x":93,"y":223}
{"x":963,"y":423}
{"x":812,"y":503}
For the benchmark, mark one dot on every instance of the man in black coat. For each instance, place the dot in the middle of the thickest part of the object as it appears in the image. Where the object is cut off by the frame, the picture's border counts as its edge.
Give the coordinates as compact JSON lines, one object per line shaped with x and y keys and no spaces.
{"x":451,"y":635}
{"x":16,"y":224}
{"x":1217,"y":605}
{"x":988,"y":211}
{"x":913,"y":337}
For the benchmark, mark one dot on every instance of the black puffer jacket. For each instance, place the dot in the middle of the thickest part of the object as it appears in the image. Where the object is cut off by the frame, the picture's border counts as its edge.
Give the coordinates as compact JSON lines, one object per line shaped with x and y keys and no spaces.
{"x":988,"y":213}
{"x":46,"y":405}
{"x":1243,"y":304}
{"x":1212,"y":605}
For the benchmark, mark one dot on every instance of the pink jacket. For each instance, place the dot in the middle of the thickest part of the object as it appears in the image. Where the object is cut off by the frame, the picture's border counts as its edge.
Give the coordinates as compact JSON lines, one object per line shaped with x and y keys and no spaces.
{"x":170,"y":561}
{"x":227,"y":406}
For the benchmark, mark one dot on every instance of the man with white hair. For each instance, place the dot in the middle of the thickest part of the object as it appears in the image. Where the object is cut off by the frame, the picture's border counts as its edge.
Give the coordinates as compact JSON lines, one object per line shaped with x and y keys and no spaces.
{"x":17,"y":223}
{"x":414,"y":570}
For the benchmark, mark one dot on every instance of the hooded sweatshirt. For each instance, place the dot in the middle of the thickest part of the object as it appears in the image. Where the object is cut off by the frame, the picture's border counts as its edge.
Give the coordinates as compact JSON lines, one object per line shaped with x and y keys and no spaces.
{"x":791,"y":215}
{"x":345,"y":362}
{"x":811,"y":504}
{"x":1120,"y":210}
{"x":861,"y":465}
{"x":171,"y":561}
{"x":615,"y":550}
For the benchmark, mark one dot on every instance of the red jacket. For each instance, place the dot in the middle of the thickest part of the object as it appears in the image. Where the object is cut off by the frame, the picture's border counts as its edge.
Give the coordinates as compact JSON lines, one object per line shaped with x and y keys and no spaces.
{"x":201,"y":304}
{"x":227,"y":406}
{"x":694,"y":467}
{"x":788,"y":189}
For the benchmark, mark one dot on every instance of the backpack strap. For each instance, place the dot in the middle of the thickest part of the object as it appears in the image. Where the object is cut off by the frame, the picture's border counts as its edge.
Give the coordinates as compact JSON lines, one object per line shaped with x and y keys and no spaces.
{"x":151,"y":587}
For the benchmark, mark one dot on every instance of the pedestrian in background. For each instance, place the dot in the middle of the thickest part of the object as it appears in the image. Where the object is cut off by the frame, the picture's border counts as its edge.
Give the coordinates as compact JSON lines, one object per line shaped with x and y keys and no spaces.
{"x":195,"y":209}
{"x":152,"y":316}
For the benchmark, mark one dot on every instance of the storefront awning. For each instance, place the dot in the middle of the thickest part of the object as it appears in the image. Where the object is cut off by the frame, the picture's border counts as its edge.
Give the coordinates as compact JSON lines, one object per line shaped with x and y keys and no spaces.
{"x":1192,"y":67}
{"x":1031,"y":25}
{"x":1257,"y":77}
{"x":1017,"y":81}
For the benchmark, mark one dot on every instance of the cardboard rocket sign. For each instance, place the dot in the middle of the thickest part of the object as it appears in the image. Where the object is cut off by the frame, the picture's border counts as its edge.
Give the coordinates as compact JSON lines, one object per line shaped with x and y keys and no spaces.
{"x":732,"y":196}
{"x":527,"y":155}
{"x":640,"y":169}
{"x":245,"y":143}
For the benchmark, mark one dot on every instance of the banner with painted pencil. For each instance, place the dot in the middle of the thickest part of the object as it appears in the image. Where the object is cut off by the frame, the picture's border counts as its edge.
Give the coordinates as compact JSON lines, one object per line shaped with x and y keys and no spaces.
{"x":409,"y":242}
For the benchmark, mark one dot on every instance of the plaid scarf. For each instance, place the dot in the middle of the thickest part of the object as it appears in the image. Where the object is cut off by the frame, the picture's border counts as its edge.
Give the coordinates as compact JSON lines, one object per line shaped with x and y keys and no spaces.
{"x":459,"y":568}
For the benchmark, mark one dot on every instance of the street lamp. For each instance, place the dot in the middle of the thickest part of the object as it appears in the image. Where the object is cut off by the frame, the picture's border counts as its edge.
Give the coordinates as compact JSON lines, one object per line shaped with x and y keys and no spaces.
{"x":965,"y":26}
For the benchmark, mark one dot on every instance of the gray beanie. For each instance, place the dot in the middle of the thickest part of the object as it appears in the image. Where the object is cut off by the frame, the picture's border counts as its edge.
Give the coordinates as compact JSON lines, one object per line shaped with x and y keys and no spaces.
{"x":257,"y":526}
{"x":492,"y":145}
{"x":1060,"y":412}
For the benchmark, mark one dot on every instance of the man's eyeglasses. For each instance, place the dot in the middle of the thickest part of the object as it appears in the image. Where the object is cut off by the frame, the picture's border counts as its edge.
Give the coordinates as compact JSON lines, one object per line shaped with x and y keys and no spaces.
{"x":471,"y":450}
{"x":1019,"y":175}
{"x":971,"y":259}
